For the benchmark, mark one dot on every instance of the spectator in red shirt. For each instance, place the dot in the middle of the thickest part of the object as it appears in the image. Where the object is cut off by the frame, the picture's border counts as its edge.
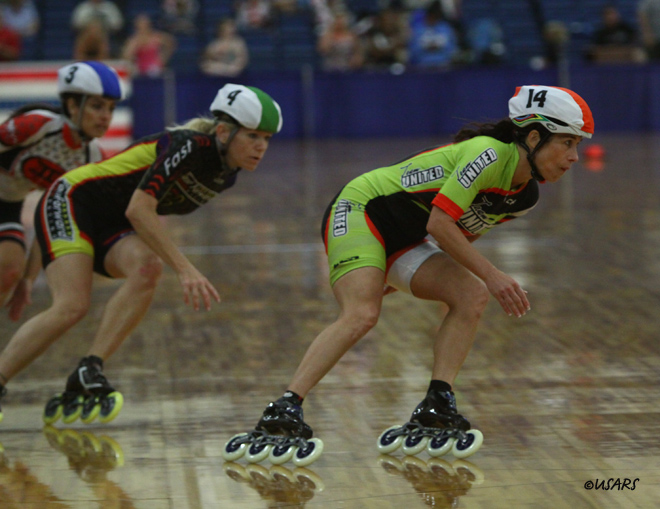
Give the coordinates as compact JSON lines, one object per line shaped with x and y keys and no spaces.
{"x":10,"y":43}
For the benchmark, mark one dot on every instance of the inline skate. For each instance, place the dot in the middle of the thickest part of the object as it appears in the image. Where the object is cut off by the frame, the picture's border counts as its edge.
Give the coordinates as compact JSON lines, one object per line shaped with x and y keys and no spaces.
{"x":280,"y":435}
{"x":87,"y":395}
{"x":436,"y":426}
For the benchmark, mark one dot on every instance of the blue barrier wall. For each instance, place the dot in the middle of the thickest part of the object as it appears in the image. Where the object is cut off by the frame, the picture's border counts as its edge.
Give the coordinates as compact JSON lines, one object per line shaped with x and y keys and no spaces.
{"x":622,"y":98}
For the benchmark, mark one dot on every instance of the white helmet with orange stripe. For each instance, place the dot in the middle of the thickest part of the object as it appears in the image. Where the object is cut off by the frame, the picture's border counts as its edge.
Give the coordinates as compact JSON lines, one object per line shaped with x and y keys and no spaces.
{"x":559,"y":110}
{"x":556,"y":110}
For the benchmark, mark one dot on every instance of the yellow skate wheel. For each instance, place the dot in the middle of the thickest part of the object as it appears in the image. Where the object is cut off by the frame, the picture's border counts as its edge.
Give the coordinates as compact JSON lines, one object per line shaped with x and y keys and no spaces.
{"x":111,"y":406}
{"x":53,"y":410}
{"x":91,"y":409}
{"x":71,"y":411}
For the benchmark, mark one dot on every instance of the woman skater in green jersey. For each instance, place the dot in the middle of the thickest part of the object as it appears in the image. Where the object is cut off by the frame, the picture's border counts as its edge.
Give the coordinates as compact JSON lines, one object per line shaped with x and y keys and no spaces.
{"x":103,"y":218}
{"x":374,"y":232}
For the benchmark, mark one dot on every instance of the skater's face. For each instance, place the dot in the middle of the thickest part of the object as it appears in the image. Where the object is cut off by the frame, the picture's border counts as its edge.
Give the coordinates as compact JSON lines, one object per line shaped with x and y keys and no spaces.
{"x":247,"y":147}
{"x":556,"y":156}
{"x":96,"y":114}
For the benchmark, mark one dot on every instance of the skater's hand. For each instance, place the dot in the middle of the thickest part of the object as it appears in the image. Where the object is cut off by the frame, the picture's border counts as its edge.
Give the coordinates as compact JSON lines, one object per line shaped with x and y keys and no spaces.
{"x":21,"y":298}
{"x":508,"y":293}
{"x":195,"y":285}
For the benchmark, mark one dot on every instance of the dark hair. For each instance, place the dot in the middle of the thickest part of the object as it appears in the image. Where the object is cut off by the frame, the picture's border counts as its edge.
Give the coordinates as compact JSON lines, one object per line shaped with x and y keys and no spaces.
{"x":504,"y":130}
{"x":35,"y":106}
{"x":66,"y":95}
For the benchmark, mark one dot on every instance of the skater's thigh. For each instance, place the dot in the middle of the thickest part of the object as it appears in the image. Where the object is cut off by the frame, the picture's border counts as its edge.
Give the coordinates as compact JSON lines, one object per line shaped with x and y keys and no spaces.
{"x":441,"y":278}
{"x":70,"y":278}
{"x":130,"y":253}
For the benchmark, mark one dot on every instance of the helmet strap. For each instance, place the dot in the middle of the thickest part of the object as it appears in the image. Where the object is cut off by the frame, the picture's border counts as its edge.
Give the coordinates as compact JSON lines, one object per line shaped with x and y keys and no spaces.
{"x":223,"y":147}
{"x":536,"y":174}
{"x":77,"y":123}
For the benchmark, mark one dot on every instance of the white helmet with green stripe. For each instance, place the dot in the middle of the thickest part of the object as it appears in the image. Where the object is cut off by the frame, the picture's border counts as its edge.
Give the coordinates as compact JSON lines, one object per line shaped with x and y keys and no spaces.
{"x":249,"y":106}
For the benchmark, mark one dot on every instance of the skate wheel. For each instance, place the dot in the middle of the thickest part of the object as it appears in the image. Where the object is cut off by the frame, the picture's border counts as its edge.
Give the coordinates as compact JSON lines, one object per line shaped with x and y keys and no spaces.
{"x":388,"y":443}
{"x":53,"y":410}
{"x":72,"y":410}
{"x":111,"y":406}
{"x":91,"y":409}
{"x":439,"y":446}
{"x":309,"y":479}
{"x":281,"y":454}
{"x":236,"y":472}
{"x":235,"y":447}
{"x":471,"y":472}
{"x":414,"y":444}
{"x":309,"y":454}
{"x":464,"y":448}
{"x":257,"y":452}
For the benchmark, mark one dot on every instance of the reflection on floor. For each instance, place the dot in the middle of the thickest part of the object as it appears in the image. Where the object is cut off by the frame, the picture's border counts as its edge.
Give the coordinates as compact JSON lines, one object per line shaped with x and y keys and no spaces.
{"x":565,"y":396}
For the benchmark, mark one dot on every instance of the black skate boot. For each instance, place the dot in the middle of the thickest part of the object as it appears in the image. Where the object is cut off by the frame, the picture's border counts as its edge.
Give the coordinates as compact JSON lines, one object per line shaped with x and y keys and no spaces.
{"x":3,"y":391}
{"x":280,"y":435}
{"x":435,"y":425}
{"x":438,"y":410}
{"x":87,"y":395}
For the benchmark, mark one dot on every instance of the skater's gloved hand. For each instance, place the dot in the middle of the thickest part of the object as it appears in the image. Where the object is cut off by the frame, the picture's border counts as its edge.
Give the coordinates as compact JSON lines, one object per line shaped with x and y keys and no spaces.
{"x":508,"y":293}
{"x":21,"y":298}
{"x":196,"y":287}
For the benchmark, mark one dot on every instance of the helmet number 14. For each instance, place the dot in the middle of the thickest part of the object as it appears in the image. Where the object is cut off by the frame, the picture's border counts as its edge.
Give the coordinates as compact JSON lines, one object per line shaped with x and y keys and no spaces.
{"x":538,"y":97}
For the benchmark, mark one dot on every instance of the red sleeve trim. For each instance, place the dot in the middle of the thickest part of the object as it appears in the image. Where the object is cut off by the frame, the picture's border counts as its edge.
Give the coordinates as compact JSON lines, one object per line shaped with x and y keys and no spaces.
{"x":18,"y":129}
{"x":444,"y":203}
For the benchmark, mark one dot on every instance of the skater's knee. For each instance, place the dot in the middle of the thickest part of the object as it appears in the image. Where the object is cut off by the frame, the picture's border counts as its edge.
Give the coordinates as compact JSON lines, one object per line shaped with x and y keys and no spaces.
{"x":72,"y":311}
{"x":361,"y":319}
{"x":148,"y":270}
{"x":473,"y":299}
{"x":9,"y":277}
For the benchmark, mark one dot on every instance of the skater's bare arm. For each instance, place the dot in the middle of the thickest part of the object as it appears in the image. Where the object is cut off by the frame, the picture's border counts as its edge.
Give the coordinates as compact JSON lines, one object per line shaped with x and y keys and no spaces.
{"x":141,"y":212}
{"x":503,"y":287}
{"x":23,"y":291}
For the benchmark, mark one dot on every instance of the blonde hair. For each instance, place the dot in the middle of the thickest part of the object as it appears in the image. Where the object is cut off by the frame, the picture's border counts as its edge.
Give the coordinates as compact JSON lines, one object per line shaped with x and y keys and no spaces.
{"x":204,"y":125}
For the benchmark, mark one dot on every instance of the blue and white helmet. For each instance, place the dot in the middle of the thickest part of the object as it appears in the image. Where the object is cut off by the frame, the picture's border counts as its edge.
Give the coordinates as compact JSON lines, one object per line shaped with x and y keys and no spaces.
{"x":89,"y":78}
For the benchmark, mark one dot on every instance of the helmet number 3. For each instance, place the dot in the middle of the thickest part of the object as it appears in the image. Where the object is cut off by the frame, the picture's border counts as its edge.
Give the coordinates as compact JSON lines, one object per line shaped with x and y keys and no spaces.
{"x":538,"y":97}
{"x":72,"y":72}
{"x":232,"y":96}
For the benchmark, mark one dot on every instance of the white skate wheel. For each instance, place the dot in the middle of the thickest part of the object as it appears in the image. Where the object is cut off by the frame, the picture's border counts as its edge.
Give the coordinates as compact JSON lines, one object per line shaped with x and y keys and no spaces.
{"x":414,"y":445}
{"x":232,"y":451}
{"x":279,"y":455}
{"x":387,"y":443}
{"x":303,"y":457}
{"x":440,"y":447}
{"x":257,"y":452}
{"x":464,"y":448}
{"x":470,"y":471}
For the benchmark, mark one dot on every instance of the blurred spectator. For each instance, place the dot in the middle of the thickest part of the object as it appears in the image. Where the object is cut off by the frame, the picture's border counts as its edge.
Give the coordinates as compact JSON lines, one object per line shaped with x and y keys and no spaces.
{"x":227,"y":54}
{"x":253,"y":14}
{"x":10,"y":42}
{"x":614,"y":39}
{"x":386,"y":42}
{"x":486,"y":42}
{"x":433,"y":41}
{"x":648,"y":12}
{"x":92,"y":43}
{"x":104,"y":10}
{"x":340,"y":46}
{"x":22,"y":16}
{"x":148,"y":49}
{"x":179,"y":16}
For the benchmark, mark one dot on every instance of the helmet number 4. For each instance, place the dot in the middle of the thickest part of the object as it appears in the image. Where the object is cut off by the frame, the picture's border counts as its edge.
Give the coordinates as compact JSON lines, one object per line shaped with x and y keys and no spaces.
{"x":538,"y":97}
{"x":232,"y":96}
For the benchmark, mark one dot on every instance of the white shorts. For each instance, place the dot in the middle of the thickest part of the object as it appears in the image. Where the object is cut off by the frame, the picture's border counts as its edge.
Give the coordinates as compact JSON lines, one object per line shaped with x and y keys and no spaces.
{"x":405,"y":266}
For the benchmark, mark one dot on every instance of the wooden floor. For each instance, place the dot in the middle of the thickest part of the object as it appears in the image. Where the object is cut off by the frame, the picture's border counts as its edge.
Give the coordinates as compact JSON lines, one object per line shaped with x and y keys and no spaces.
{"x":566,"y":395}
